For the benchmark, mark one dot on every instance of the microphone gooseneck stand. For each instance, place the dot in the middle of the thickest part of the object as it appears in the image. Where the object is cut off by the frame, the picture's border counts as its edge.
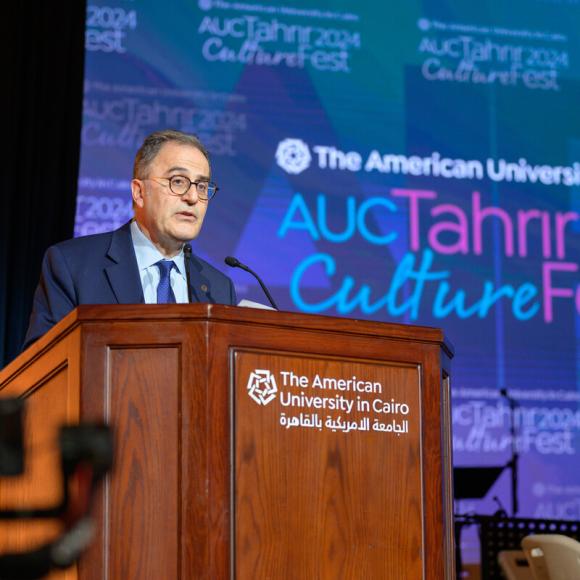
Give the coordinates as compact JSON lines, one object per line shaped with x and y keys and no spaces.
{"x":187,"y":260}
{"x":235,"y":263}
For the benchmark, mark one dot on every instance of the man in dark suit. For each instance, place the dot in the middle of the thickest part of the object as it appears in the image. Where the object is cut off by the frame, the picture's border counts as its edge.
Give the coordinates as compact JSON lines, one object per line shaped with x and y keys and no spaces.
{"x":144,"y":260}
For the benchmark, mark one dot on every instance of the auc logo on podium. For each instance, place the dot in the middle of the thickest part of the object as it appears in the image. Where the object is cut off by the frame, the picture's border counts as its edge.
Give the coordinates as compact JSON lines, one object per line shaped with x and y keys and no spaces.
{"x":262,"y":386}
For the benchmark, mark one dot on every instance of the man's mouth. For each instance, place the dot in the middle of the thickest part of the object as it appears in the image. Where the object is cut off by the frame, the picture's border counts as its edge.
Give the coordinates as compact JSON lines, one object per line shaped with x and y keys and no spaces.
{"x":187,"y":215}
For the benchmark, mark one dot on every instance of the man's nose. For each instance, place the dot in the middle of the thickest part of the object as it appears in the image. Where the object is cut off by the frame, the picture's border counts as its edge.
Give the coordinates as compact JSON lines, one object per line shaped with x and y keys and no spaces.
{"x":191,"y":196}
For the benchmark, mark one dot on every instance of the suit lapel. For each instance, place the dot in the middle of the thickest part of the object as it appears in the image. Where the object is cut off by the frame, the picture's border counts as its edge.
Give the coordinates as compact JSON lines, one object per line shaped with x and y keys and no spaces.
{"x":123,"y":273}
{"x":200,"y":285}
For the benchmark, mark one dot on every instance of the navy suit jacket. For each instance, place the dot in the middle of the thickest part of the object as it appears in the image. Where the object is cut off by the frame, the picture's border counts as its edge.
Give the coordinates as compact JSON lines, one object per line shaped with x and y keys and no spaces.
{"x":102,"y":269}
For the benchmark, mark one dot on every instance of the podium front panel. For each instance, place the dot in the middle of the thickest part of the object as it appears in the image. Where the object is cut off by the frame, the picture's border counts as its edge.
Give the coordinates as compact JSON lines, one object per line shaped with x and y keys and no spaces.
{"x":327,"y":456}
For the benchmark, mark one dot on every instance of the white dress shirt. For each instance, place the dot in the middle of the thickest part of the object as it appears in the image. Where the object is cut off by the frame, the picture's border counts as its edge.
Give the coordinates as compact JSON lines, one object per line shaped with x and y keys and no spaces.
{"x":147,"y":256}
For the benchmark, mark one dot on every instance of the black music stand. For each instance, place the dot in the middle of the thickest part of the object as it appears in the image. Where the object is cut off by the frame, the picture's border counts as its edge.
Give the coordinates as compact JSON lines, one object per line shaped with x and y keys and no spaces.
{"x":474,"y":482}
{"x":471,"y":483}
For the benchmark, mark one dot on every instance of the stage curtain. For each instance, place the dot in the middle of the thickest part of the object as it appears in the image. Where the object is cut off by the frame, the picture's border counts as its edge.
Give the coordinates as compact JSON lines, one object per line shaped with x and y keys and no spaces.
{"x":43,"y":56}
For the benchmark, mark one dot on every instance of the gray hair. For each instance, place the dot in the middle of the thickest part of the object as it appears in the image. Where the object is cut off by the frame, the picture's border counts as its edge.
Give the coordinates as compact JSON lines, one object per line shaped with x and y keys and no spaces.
{"x":153,"y":143}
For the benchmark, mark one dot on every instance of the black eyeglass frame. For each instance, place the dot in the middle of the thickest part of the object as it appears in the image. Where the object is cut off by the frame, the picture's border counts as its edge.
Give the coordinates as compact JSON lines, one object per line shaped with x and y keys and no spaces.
{"x":212,"y":187}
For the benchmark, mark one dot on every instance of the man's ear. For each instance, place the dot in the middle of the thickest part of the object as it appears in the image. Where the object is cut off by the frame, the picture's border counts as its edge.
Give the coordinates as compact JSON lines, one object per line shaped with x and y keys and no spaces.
{"x":138,"y":192}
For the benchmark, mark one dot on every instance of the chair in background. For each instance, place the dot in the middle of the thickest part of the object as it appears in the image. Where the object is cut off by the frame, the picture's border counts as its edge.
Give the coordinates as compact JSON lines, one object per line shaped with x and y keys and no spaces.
{"x":514,"y":565}
{"x":552,"y":556}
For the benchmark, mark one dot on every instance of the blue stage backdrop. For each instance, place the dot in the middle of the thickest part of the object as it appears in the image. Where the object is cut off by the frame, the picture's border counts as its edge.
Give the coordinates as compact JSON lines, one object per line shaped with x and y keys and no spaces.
{"x":414,"y":162}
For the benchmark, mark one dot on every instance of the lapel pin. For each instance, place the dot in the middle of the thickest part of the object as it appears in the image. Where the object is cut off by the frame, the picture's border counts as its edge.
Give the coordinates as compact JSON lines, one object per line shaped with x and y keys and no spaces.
{"x":204,"y":288}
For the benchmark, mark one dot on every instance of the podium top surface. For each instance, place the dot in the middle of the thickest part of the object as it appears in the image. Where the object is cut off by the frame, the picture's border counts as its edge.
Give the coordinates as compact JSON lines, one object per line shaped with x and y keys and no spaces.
{"x":87,"y":315}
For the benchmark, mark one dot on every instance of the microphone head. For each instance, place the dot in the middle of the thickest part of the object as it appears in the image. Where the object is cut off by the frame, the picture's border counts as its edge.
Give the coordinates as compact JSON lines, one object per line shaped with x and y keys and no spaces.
{"x":187,"y":249}
{"x":231,"y":261}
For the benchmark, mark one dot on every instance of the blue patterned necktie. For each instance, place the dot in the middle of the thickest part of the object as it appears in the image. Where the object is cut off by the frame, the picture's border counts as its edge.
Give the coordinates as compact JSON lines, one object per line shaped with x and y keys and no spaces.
{"x":165,"y":293}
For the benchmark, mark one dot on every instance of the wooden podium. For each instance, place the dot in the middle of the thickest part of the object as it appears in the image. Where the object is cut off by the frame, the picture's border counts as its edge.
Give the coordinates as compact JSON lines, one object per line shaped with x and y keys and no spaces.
{"x":250,"y":444}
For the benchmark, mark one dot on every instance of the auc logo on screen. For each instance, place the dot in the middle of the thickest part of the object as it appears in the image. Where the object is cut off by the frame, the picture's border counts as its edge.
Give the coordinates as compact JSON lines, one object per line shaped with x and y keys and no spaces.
{"x":294,"y":156}
{"x":445,"y":230}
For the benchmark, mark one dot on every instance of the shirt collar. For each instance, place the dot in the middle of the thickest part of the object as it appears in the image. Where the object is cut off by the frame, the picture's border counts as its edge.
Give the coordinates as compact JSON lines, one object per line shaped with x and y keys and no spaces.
{"x":147,"y":254}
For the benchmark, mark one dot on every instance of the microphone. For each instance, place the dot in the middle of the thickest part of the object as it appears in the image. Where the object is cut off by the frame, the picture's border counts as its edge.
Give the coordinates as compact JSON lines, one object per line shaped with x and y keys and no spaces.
{"x":187,"y":258}
{"x":235,"y":263}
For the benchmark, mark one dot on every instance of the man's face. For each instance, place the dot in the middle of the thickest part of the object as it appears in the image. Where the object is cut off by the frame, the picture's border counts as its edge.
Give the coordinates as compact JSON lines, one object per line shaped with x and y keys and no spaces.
{"x":170,"y":220}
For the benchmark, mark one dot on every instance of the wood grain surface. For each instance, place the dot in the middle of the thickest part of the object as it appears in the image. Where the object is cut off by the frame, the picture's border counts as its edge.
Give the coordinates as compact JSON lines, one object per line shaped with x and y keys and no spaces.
{"x":206,"y":483}
{"x":317,"y":502}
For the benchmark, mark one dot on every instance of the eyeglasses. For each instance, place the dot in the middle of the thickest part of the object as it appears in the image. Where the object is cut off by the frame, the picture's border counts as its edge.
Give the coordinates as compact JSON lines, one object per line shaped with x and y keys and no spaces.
{"x":180,"y":185}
